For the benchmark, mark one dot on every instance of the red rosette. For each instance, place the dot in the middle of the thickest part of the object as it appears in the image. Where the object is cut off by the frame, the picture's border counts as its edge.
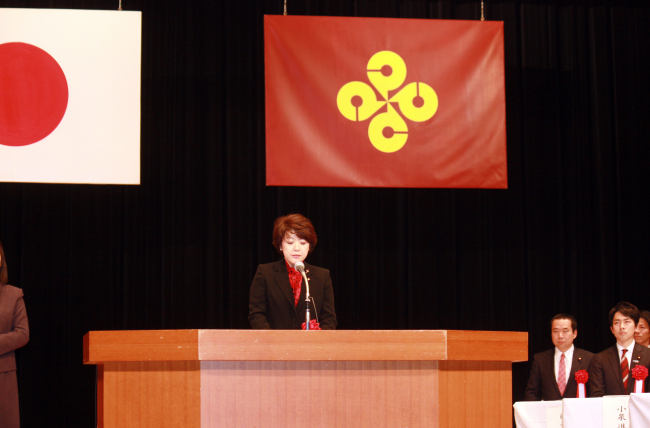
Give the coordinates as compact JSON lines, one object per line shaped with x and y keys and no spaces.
{"x":639,"y":372}
{"x":313,"y":325}
{"x":582,"y":376}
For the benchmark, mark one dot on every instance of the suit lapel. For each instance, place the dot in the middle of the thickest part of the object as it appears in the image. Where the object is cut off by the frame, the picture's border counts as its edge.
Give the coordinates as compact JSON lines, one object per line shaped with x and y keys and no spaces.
{"x":637,"y":355}
{"x":575,"y":362}
{"x":301,"y":299}
{"x":282,"y":280}
{"x":551,"y":369}
{"x":615,"y":361}
{"x":576,"y":365}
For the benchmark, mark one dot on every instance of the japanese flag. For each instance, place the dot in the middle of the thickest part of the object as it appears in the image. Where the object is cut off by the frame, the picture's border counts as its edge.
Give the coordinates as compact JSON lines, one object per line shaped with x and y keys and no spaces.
{"x":70,"y":96}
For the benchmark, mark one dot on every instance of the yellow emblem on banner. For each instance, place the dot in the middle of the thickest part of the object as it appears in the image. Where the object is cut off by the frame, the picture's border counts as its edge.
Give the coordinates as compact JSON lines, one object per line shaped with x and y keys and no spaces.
{"x":387,"y":131}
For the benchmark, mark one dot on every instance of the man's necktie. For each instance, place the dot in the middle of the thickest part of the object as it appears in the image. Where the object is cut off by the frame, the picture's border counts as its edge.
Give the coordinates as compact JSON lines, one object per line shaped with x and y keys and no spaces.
{"x":625,"y":369}
{"x":561,"y":375}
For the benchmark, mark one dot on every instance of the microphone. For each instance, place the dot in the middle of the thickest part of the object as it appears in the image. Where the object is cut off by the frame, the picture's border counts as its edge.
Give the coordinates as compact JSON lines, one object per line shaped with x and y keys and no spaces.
{"x":300,"y":267}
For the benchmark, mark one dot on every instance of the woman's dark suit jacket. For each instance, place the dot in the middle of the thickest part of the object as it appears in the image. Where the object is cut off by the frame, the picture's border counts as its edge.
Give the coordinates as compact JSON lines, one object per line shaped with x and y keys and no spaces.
{"x":14,"y":333}
{"x":272,"y":306}
{"x":14,"y":330}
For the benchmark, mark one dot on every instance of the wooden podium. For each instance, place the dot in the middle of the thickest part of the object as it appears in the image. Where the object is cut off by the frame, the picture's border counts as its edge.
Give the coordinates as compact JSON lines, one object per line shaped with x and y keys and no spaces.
{"x":292,"y":378}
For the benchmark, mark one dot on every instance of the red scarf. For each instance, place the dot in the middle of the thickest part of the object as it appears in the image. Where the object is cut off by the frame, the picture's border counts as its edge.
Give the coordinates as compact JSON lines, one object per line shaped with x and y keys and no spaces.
{"x":295,"y":278}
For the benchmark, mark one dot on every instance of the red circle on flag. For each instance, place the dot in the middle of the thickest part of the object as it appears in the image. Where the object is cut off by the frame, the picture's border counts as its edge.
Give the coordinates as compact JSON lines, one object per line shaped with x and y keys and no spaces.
{"x":33,"y":94}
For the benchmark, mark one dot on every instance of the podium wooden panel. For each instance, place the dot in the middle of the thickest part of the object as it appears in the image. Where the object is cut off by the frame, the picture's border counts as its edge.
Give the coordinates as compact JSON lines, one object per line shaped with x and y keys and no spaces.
{"x":286,"y":378}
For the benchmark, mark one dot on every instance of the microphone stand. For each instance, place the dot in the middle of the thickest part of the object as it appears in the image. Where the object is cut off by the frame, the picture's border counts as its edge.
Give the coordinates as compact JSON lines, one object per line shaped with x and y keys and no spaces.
{"x":307,"y":317}
{"x":300,"y":267}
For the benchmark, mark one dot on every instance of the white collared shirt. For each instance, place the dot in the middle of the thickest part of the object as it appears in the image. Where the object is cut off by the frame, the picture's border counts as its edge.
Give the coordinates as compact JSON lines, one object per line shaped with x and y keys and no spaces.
{"x":628,"y":354}
{"x":568,"y":355}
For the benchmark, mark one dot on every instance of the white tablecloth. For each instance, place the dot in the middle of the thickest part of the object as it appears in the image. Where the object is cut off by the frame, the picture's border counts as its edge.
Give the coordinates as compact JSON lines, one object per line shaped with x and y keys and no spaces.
{"x":532,"y":414}
{"x":582,"y":412}
{"x":639,"y":410}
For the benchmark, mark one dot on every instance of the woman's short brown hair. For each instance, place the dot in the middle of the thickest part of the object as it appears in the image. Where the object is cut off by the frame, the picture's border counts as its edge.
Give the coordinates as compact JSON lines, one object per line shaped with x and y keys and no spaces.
{"x":294,"y":223}
{"x":4,"y":277}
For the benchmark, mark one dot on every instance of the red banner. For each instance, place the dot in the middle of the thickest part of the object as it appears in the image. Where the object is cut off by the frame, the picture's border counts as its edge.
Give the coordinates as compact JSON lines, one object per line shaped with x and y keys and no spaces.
{"x":372,"y":102}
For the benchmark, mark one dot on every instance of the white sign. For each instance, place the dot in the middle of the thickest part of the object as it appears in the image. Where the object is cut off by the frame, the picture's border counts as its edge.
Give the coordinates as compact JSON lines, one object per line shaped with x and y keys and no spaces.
{"x":616,"y":411}
{"x":554,"y":417}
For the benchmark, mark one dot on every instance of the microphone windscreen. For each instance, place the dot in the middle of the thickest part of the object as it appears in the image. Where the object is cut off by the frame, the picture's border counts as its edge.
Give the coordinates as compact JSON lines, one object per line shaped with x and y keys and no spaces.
{"x":300,"y":267}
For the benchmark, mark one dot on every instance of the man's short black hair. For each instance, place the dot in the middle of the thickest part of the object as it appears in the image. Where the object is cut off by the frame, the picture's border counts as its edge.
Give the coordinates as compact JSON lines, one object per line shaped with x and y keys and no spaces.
{"x":574,"y":323}
{"x":646,"y":316}
{"x":627,"y":309}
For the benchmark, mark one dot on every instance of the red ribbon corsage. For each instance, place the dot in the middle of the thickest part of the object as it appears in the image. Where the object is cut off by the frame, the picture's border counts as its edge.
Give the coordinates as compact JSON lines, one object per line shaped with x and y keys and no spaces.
{"x":582,"y":376}
{"x":313,"y":325}
{"x":640,"y":372}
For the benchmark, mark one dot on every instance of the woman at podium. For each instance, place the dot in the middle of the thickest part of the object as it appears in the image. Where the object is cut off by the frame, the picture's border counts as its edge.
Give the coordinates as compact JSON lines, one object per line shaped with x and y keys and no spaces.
{"x":277,"y":295}
{"x":14,"y":333}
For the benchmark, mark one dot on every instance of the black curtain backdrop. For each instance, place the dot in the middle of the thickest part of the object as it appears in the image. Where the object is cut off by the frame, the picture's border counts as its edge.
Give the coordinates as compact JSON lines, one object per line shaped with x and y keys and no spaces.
{"x":179,"y":251}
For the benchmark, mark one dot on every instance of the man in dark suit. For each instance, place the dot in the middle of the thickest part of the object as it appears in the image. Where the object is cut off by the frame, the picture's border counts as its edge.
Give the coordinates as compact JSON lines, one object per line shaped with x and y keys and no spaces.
{"x":552,"y":376}
{"x":610,"y":372}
